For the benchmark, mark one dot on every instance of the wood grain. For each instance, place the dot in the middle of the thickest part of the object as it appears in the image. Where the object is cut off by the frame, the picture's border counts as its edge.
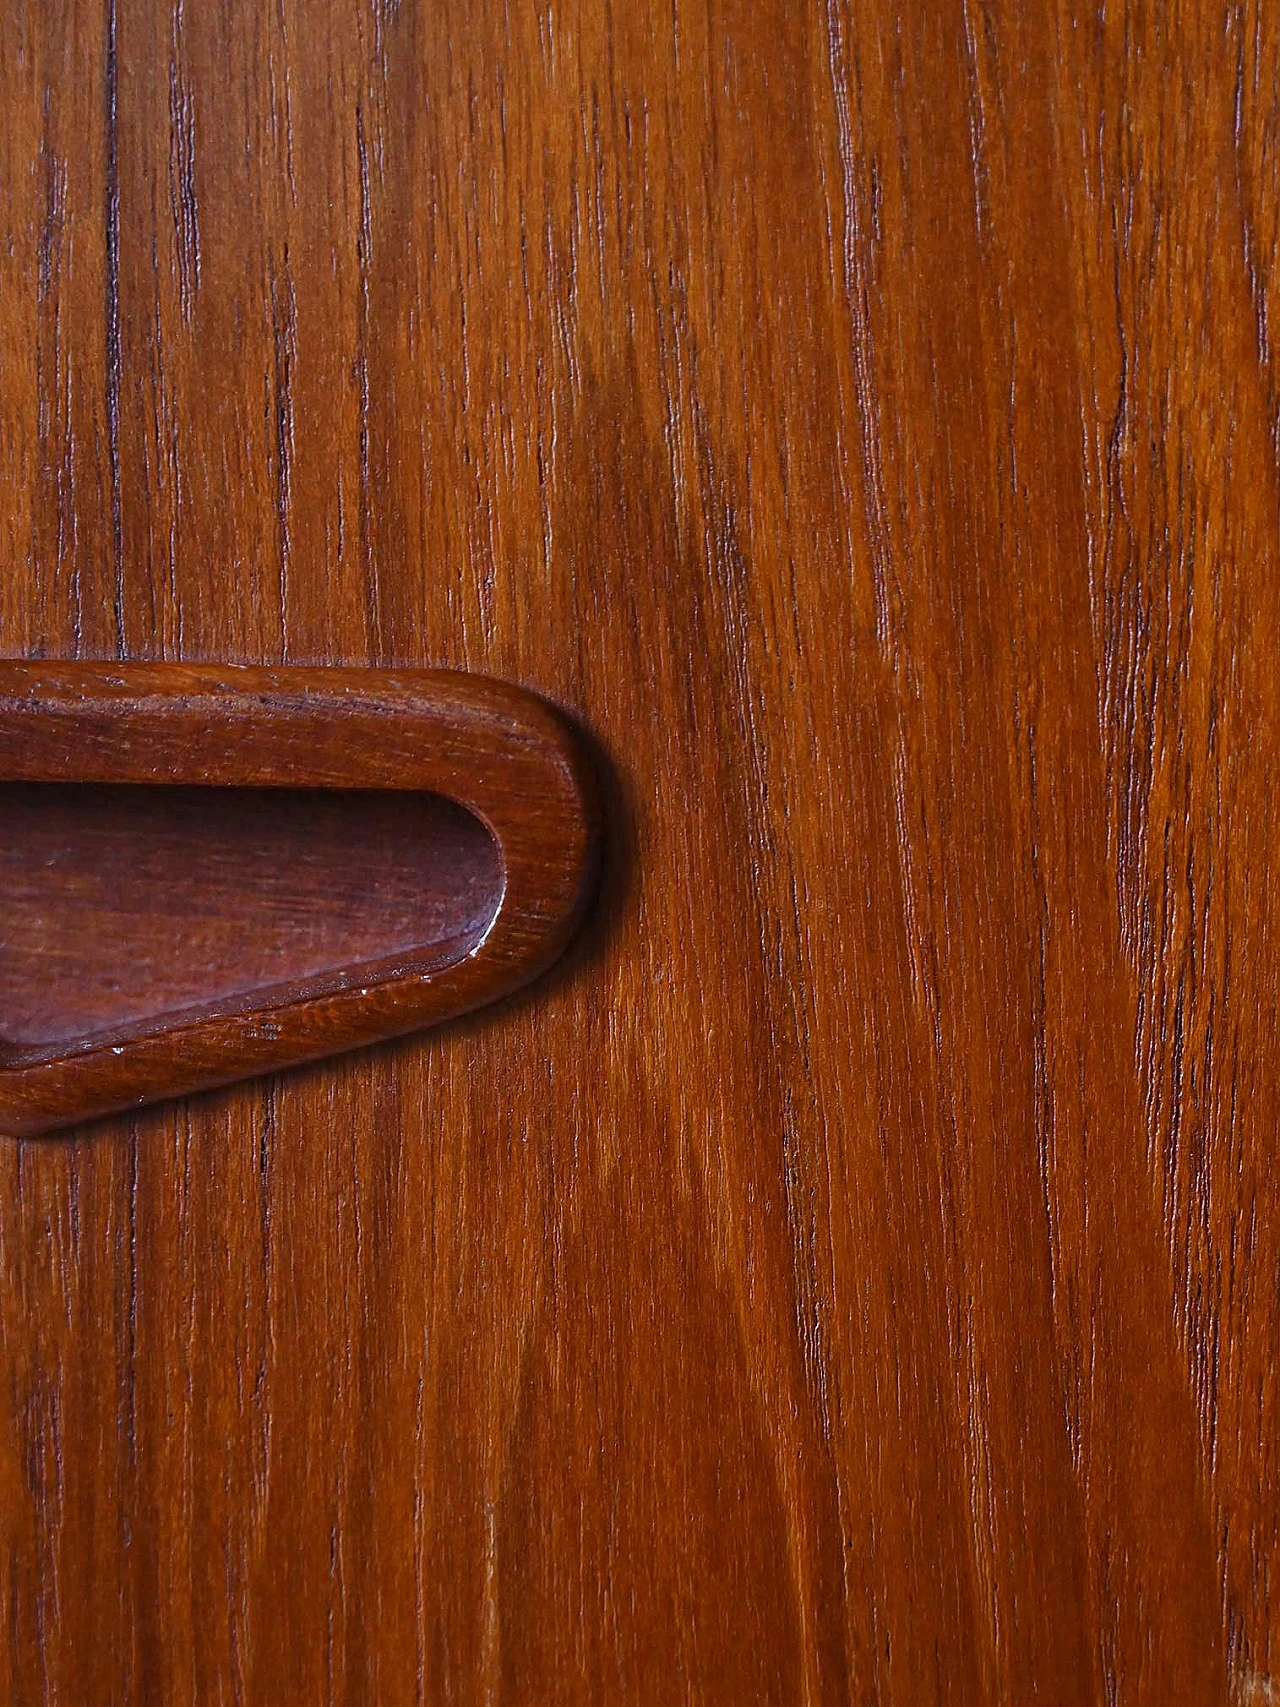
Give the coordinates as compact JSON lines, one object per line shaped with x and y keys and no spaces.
{"x":495,"y":751}
{"x":857,"y":1278}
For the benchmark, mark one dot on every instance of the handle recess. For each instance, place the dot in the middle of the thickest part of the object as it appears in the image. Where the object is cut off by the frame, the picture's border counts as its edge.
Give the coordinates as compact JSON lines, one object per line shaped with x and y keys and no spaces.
{"x":184,"y":850}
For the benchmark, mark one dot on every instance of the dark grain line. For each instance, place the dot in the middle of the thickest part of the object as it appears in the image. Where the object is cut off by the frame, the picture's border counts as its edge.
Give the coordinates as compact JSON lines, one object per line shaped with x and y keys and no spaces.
{"x":113,"y":349}
{"x":284,"y":315}
{"x":183,"y":201}
{"x":364,"y":263}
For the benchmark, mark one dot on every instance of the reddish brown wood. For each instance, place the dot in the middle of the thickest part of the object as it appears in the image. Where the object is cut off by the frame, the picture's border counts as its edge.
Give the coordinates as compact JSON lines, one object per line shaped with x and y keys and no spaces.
{"x":131,"y":910}
{"x":855,"y":1277}
{"x":153,"y":892}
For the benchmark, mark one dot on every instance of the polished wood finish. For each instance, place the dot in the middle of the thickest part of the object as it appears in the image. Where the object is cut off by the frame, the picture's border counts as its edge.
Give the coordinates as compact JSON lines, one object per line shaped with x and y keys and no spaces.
{"x":854,"y":1277}
{"x":214,"y":1013}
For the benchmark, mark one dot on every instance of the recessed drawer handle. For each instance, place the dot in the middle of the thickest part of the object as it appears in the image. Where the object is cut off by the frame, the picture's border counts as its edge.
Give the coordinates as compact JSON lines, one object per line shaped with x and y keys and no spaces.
{"x":212,"y":872}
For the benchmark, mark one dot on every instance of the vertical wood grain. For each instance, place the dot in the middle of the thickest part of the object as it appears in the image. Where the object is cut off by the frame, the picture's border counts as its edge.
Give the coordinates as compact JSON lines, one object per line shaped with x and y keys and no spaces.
{"x":858,"y":1276}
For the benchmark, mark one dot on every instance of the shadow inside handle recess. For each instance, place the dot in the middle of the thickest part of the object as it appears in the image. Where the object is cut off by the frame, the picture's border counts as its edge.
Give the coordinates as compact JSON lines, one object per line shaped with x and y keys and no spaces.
{"x":128,"y":910}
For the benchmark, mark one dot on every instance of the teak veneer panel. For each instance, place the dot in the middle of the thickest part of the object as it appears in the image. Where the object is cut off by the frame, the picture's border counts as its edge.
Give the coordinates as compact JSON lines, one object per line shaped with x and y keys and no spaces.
{"x":853,"y":1276}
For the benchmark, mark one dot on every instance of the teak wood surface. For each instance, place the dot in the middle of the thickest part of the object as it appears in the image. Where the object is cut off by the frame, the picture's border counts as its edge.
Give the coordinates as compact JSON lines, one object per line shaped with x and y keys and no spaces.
{"x":855,"y":1275}
{"x":489,"y":747}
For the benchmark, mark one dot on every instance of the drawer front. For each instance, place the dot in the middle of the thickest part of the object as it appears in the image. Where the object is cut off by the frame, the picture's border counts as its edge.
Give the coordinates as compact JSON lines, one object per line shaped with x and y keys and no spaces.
{"x":851,"y":1273}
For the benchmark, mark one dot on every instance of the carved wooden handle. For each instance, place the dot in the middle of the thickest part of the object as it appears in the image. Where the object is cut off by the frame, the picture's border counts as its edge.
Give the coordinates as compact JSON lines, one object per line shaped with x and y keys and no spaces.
{"x":212,"y":872}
